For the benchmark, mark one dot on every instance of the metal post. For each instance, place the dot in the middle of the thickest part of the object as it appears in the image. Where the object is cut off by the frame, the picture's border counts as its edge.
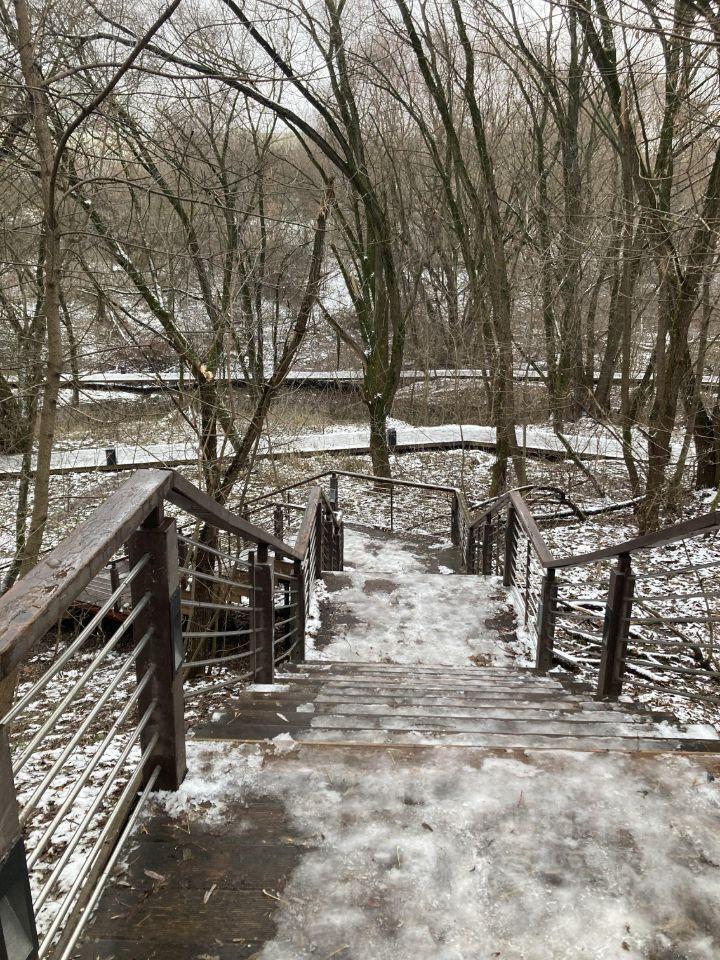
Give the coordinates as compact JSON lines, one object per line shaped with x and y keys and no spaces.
{"x":509,"y":547}
{"x":547,"y":606}
{"x":334,"y":491}
{"x":487,"y":546}
{"x":616,"y":629}
{"x":265,"y":621}
{"x":300,"y":612}
{"x":164,"y":651}
{"x":18,"y":936}
{"x":392,"y":507}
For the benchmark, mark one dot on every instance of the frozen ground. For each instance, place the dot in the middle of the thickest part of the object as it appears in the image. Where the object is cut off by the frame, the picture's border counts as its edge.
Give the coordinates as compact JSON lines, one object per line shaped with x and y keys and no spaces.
{"x":458,"y":854}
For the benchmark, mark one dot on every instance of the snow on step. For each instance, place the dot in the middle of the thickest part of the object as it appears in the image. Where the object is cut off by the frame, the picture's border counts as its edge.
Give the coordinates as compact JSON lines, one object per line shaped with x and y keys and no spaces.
{"x":389,"y":704}
{"x":478,"y":724}
{"x":490,"y":741}
{"x":519,"y":711}
{"x":415,"y":619}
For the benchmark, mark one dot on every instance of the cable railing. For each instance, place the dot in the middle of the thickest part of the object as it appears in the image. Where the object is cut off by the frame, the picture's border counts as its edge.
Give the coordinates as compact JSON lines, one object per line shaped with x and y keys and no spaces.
{"x":410,"y":506}
{"x":93,"y":682}
{"x":385,"y":503}
{"x":628,"y":617}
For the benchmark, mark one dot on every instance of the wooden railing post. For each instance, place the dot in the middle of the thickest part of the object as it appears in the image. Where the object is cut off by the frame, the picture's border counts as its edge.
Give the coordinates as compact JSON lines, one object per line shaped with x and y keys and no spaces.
{"x":487,"y":546}
{"x":329,"y":540}
{"x":455,"y":520}
{"x":509,"y":564}
{"x":18,"y":936}
{"x":264,"y":619}
{"x":547,"y":605}
{"x":300,"y":612}
{"x":164,"y":651}
{"x":278,"y":521}
{"x":468,"y":558}
{"x":319,"y":538}
{"x":616,"y":629}
{"x":334,"y":491}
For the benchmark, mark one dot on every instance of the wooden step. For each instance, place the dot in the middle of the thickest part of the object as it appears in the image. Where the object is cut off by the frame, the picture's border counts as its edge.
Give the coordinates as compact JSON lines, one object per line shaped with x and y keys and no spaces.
{"x":505,"y":741}
{"x":587,"y":727}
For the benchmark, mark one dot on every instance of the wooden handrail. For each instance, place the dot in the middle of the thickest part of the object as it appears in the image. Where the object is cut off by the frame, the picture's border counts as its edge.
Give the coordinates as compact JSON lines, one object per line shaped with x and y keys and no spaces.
{"x":133,"y":517}
{"x":443,"y":488}
{"x":30,"y":608}
{"x":37,"y":601}
{"x":494,"y":503}
{"x":306,"y":526}
{"x":696,"y":527}
{"x":680,"y":531}
{"x":528,"y":524}
{"x":191,"y":499}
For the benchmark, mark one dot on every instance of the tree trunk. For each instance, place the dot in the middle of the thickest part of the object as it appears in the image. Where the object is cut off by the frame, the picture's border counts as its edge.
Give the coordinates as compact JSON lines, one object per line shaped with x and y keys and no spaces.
{"x":51,"y":298}
{"x":379,"y":450}
{"x":12,"y":430}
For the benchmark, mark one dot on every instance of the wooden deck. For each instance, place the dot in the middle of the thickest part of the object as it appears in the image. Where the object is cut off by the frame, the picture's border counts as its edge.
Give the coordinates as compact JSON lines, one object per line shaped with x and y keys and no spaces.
{"x":419,"y":810}
{"x":198,"y":888}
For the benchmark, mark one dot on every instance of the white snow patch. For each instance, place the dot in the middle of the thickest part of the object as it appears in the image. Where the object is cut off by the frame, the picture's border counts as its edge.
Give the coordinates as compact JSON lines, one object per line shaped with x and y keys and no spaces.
{"x":531,"y":855}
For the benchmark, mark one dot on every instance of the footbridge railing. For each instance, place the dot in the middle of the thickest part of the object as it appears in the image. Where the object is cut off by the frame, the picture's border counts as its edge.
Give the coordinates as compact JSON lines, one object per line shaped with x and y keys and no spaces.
{"x":638,"y":617}
{"x":92,"y":709}
{"x":395,"y":504}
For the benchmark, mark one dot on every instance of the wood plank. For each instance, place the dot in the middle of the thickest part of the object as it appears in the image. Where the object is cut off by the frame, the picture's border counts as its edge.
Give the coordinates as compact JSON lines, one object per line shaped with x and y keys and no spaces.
{"x":196,"y":889}
{"x":515,"y":741}
{"x":35,"y":603}
{"x":569,"y":714}
{"x":576,"y":728}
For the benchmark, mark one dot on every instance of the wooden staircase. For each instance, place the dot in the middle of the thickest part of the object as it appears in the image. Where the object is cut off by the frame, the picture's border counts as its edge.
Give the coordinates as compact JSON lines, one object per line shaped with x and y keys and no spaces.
{"x":389,"y":705}
{"x":423,"y":810}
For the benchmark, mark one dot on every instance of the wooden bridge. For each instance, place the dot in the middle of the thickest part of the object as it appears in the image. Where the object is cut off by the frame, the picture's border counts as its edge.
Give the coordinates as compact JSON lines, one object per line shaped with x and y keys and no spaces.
{"x":404,"y":772}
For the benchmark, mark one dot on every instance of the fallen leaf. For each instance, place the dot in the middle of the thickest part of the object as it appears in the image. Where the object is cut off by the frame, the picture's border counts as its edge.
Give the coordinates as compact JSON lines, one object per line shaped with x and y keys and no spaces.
{"x":154,"y":876}
{"x":209,"y":893}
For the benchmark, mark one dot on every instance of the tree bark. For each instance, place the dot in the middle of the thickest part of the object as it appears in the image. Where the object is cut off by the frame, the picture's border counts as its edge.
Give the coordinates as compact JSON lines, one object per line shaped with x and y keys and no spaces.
{"x":38,"y":106}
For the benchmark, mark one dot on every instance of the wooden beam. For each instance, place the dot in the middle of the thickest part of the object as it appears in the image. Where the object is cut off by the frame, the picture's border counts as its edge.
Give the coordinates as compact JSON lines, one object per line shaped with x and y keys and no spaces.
{"x":35,"y":603}
{"x":188,"y":497}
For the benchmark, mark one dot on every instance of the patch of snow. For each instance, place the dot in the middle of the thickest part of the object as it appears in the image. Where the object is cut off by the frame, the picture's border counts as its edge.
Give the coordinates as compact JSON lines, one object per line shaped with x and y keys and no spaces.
{"x":453,"y":856}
